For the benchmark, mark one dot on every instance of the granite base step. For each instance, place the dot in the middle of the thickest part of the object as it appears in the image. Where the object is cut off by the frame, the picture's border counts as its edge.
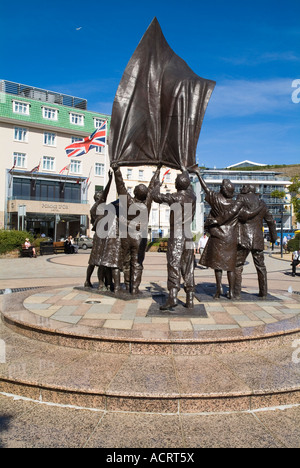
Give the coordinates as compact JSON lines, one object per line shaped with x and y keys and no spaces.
{"x":168,"y":384}
{"x":60,"y":317}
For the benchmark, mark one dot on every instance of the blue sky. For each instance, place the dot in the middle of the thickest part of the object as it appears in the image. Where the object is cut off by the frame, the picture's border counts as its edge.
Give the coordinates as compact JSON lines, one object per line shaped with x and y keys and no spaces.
{"x":251,"y":49}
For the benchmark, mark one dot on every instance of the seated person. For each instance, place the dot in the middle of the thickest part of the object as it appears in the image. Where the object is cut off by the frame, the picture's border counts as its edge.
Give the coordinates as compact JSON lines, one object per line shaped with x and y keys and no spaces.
{"x":28,"y":246}
{"x":69,"y":247}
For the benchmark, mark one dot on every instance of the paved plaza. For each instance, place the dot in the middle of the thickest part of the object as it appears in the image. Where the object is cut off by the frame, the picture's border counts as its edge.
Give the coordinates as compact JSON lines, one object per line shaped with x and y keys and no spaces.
{"x":156,"y":390}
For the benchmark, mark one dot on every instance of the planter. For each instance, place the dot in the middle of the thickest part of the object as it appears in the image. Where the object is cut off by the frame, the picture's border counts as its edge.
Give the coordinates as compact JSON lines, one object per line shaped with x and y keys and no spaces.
{"x":13,"y":254}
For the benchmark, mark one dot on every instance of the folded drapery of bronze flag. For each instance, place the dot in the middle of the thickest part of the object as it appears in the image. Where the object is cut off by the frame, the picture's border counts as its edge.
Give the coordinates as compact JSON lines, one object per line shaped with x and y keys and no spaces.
{"x":158,"y":108}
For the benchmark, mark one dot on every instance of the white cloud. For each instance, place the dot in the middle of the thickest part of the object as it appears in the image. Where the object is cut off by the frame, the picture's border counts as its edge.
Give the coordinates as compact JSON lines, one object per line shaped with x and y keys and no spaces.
{"x":238,"y":98}
{"x":265,"y":58}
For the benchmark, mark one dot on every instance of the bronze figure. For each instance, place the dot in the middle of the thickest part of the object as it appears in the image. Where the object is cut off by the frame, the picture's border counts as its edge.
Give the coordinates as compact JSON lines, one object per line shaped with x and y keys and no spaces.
{"x":222,"y":223}
{"x":180,"y":254}
{"x":98,"y":242}
{"x":251,"y":239}
{"x":112,"y":257}
{"x":134,"y":243}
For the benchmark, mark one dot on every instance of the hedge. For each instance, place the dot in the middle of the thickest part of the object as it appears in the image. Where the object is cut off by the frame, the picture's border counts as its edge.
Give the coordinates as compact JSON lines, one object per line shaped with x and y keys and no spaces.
{"x":12,"y":240}
{"x":294,"y":244}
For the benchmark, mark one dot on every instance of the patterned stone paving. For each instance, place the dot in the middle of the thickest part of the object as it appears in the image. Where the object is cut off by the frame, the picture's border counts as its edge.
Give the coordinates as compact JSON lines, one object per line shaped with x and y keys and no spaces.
{"x":83,"y":308}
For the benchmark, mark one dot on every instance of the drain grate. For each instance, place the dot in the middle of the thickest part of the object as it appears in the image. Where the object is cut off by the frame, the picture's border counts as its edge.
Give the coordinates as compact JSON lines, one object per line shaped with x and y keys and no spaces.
{"x":13,"y":290}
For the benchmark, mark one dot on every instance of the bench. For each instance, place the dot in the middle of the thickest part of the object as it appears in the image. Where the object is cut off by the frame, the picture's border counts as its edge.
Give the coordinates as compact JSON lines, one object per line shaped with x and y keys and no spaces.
{"x":26,"y":252}
{"x":163,"y":246}
{"x":46,"y":248}
{"x":59,"y":247}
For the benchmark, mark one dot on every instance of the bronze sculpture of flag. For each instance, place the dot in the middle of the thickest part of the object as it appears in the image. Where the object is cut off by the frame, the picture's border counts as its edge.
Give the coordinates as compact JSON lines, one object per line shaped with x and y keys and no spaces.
{"x":158,"y":108}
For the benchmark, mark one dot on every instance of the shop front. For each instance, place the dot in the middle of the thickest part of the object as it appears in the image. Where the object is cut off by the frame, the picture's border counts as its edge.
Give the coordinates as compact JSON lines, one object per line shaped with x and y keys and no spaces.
{"x":49,"y":219}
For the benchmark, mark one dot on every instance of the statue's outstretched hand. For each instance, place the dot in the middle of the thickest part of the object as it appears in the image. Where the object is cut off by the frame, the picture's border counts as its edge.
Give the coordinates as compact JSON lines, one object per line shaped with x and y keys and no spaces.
{"x":114,"y":165}
{"x":194,"y":169}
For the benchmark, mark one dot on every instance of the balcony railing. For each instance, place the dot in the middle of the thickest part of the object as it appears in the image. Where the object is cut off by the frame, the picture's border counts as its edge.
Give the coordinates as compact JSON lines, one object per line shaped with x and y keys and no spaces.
{"x":43,"y":95}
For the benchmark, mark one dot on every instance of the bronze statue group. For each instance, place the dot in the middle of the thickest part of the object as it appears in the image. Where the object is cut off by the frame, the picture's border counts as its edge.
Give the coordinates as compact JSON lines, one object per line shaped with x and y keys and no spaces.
{"x":235,"y":226}
{"x":156,"y":120}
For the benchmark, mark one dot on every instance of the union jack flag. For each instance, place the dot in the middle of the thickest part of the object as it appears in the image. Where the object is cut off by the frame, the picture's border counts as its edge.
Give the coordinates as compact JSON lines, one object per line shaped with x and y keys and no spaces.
{"x":96,"y":140}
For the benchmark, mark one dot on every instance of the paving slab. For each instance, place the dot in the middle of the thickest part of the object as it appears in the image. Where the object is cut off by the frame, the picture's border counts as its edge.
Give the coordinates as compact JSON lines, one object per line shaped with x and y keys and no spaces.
{"x":233,"y":394}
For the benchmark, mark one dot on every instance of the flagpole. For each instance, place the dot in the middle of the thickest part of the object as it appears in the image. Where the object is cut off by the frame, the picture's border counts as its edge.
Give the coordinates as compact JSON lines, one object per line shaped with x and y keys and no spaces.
{"x":63,"y":189}
{"x":11,"y":176}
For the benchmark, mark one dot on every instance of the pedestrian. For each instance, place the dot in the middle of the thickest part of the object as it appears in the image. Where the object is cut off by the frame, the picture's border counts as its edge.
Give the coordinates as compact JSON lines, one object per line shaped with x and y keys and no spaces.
{"x":295,"y":261}
{"x":285,"y":244}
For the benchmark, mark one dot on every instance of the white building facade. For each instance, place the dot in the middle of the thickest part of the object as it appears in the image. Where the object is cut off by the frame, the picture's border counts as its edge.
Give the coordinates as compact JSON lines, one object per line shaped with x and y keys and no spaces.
{"x":36,"y":126}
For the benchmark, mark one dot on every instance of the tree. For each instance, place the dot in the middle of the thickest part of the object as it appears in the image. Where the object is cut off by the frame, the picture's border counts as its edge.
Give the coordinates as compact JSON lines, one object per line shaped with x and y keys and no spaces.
{"x":278,"y":194}
{"x":294,"y":190}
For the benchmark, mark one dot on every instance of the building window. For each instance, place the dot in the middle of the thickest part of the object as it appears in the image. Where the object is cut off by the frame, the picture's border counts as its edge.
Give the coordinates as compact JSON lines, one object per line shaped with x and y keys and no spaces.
{"x":46,"y":190}
{"x":100,"y":149}
{"x":99,"y":169}
{"x":130,"y":191}
{"x":21,"y":107}
{"x":75,"y":139}
{"x":76,"y":166}
{"x":154,"y":217}
{"x":48,"y":163}
{"x":129,"y":174}
{"x":98,"y":122}
{"x":21,"y":188}
{"x":76,"y":119}
{"x":20,"y":160}
{"x":49,"y":113}
{"x":141,"y":175}
{"x":167,"y":214}
{"x":50,"y":139}
{"x":21,"y":134}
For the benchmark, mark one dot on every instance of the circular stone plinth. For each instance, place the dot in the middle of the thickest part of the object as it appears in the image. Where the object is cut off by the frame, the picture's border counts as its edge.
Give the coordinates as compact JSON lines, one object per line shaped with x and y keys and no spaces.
{"x":79,"y":318}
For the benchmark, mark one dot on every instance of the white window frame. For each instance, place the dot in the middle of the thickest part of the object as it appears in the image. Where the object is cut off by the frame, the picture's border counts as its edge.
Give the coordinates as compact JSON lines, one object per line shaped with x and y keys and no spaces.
{"x":76,"y":119}
{"x":22,"y":132}
{"x":21,"y":107}
{"x":50,"y":113}
{"x":141,"y":174}
{"x":167,"y":214}
{"x":75,"y":166}
{"x":49,"y":139}
{"x":155,"y":216}
{"x":98,"y":122}
{"x":100,"y":149}
{"x":74,"y":139}
{"x":23,"y":158}
{"x":99,"y":169}
{"x":48,"y":163}
{"x":129,"y":175}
